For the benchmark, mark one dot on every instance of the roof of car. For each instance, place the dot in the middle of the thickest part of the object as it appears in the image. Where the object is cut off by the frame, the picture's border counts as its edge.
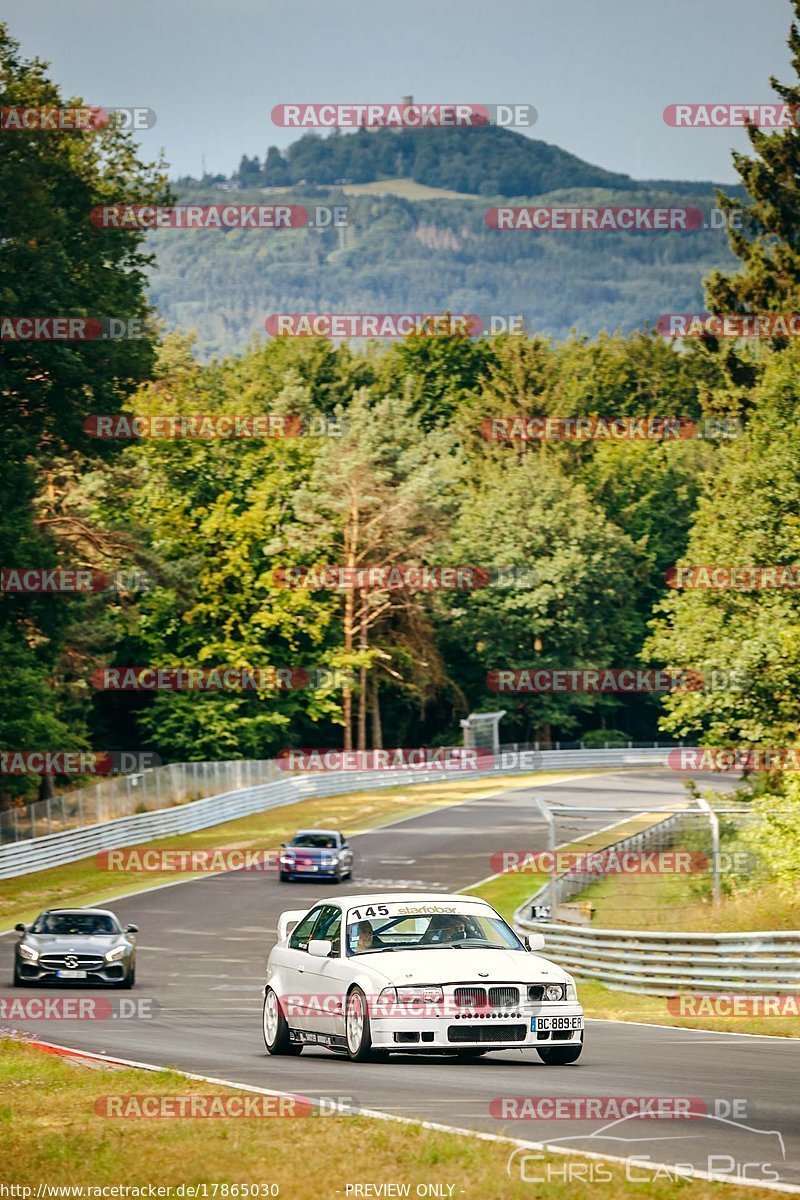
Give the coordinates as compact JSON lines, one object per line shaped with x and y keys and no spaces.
{"x":97,"y":912}
{"x":394,"y":897}
{"x":325,"y":832}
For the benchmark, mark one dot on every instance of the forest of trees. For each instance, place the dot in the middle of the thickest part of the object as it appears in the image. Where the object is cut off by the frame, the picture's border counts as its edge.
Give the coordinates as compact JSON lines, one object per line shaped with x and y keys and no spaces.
{"x":398,"y":254}
{"x":408,"y":479}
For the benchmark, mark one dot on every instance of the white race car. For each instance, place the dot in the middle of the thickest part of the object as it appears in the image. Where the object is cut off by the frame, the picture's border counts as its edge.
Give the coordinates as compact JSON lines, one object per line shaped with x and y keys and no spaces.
{"x":413,"y":972}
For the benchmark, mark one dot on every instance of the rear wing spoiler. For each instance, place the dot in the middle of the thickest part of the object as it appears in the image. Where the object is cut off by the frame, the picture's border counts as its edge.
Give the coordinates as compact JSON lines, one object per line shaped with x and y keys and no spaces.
{"x":288,"y":920}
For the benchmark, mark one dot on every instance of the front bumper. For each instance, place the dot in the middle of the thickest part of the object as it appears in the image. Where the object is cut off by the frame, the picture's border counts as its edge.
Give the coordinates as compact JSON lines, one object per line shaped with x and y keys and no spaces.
{"x":108,"y":973}
{"x":329,"y":871}
{"x":498,"y":1031}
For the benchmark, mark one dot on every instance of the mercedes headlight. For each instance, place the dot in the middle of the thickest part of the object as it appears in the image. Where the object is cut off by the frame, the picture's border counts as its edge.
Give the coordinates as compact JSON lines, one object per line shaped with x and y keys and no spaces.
{"x":28,"y":953}
{"x":117,"y":953}
{"x":555,"y":991}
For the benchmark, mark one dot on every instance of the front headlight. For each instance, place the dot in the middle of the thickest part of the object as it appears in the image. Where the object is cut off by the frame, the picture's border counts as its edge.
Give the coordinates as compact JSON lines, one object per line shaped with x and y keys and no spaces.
{"x":28,"y":953}
{"x":555,"y":991}
{"x":117,"y":953}
{"x":287,"y":858}
{"x":427,"y":994}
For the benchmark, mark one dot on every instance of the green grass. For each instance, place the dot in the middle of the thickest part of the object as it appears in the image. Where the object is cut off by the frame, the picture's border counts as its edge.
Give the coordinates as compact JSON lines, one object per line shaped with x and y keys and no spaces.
{"x":614,"y":1005}
{"x":672,"y":902}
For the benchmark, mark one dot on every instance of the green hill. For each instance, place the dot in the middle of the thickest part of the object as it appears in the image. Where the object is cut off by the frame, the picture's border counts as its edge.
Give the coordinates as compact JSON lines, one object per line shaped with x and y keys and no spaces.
{"x":484,"y":161}
{"x":410,"y":250}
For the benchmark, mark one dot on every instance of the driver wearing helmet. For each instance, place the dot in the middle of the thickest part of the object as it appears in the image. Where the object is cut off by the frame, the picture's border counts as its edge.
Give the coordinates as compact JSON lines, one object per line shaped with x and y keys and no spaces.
{"x":446,"y":929}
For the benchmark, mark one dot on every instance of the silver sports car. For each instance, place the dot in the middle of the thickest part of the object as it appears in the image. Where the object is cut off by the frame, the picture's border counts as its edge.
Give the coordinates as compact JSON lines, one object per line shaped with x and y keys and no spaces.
{"x":87,"y":944}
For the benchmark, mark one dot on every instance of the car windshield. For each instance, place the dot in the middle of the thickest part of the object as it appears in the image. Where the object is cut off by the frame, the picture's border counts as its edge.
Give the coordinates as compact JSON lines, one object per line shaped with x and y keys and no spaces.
{"x":75,"y":924}
{"x":315,"y":841}
{"x":377,"y":927}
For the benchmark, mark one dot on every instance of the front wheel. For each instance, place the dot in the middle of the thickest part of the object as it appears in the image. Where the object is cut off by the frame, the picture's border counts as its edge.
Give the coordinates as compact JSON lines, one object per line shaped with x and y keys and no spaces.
{"x":18,"y":980}
{"x":560,"y":1056}
{"x":276,"y":1029}
{"x":129,"y":980}
{"x":356,"y":1027}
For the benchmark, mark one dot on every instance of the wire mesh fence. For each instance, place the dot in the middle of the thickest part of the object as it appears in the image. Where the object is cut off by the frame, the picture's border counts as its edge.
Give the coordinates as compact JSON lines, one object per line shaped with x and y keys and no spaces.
{"x":657,"y":871}
{"x":125,"y":795}
{"x":180,"y":783}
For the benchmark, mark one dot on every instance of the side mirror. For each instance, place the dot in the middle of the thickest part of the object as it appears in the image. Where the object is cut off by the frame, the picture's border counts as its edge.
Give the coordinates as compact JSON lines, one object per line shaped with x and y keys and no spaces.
{"x":534,"y":941}
{"x":20,"y":928}
{"x":131,"y":928}
{"x":320,"y":948}
{"x":283,"y":845}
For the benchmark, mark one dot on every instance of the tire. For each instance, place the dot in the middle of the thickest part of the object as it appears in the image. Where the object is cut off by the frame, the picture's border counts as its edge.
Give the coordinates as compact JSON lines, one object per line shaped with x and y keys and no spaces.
{"x":284,"y":878}
{"x":129,"y":980}
{"x":18,"y":980}
{"x":560,"y":1056}
{"x":356,"y":1027}
{"x":275,"y":1027}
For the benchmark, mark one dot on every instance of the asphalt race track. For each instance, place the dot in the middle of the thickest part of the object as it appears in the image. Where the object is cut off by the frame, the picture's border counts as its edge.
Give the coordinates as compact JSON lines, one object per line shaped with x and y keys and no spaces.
{"x":203,"y":946}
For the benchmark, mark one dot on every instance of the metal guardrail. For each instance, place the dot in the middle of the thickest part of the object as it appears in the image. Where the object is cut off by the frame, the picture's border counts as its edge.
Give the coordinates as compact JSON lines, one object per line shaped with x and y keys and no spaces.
{"x":659,"y":964}
{"x":142,"y":791}
{"x":56,"y":849}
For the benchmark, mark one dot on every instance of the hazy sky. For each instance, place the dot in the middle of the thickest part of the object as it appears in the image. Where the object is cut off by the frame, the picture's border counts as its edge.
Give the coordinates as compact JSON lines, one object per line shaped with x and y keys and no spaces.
{"x":599,"y":72}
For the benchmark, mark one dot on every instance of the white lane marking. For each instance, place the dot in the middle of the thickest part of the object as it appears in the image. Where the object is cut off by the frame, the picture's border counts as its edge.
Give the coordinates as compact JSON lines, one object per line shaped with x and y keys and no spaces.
{"x":402,"y":883}
{"x":198,"y":975}
{"x":713,"y":1033}
{"x":435,"y":1125}
{"x":237,"y":987}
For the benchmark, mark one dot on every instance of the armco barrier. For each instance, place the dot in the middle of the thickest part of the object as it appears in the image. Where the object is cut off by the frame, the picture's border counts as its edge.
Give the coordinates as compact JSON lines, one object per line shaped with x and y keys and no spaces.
{"x":35,"y":854}
{"x":660,"y":964}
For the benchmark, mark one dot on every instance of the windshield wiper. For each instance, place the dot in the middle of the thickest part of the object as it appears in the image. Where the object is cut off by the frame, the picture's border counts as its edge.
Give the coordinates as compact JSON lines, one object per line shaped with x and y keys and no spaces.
{"x":479,"y":946}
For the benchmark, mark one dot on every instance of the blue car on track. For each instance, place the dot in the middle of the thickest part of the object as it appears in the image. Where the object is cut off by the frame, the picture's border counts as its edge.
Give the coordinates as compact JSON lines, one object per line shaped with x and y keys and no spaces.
{"x":316,"y":854}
